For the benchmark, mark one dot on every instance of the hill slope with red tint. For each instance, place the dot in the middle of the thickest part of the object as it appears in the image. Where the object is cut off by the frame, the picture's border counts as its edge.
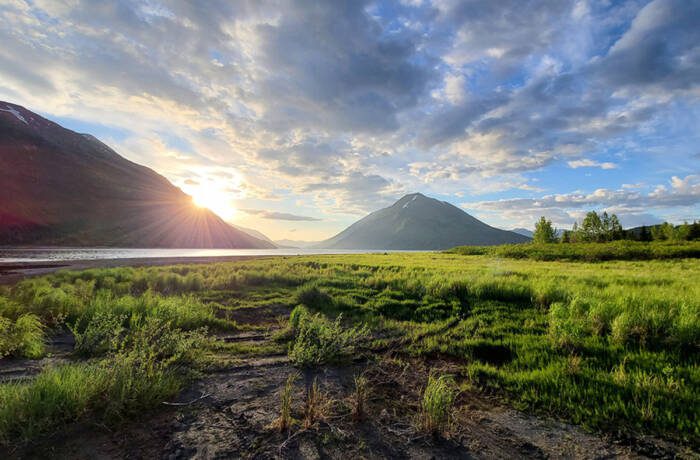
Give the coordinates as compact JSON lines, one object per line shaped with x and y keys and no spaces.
{"x":58,"y":187}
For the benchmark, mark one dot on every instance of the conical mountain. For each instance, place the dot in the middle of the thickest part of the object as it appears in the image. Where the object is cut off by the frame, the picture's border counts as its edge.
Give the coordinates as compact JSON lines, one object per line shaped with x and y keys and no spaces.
{"x":420,"y":223}
{"x":58,"y":187}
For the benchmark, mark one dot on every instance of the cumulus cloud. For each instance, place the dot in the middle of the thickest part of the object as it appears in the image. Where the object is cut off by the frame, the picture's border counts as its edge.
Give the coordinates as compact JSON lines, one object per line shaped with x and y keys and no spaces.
{"x":350,"y":104}
{"x":632,"y":204}
{"x":586,"y":163}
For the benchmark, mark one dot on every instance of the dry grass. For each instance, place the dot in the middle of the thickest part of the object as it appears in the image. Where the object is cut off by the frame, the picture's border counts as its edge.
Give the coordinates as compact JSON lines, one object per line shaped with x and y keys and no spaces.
{"x":316,"y":405}
{"x":359,"y":397}
{"x":285,"y":421}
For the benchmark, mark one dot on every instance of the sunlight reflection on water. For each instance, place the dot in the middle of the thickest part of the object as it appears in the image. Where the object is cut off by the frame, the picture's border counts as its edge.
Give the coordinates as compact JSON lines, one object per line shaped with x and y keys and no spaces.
{"x":21,"y":255}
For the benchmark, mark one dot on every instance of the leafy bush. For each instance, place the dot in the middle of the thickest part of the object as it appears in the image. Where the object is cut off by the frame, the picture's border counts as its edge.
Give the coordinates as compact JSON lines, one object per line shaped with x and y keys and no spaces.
{"x":98,"y":334}
{"x":319,"y":341}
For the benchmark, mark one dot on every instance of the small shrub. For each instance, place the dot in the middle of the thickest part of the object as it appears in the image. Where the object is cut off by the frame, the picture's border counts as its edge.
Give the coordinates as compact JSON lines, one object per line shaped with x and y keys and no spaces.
{"x":319,"y":341}
{"x":436,"y":406}
{"x":97,"y":335}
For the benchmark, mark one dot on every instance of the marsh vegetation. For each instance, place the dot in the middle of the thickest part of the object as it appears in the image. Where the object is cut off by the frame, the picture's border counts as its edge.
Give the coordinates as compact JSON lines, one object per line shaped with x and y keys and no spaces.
{"x":611,"y":346}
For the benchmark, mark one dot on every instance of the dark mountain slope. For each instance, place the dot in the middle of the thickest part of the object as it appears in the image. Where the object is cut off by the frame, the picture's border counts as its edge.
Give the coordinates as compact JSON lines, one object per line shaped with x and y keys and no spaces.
{"x":58,"y":187}
{"x":419,"y":222}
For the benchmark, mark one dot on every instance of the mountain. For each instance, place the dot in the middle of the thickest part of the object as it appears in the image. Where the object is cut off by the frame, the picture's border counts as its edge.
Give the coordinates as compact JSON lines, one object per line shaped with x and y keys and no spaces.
{"x":295,"y":243}
{"x":523,"y":231}
{"x":59,"y":188}
{"x":254,"y":233}
{"x":419,"y":222}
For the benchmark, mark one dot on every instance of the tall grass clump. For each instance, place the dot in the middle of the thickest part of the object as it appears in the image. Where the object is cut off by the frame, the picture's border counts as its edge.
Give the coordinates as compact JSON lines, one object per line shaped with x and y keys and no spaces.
{"x":359,"y":397}
{"x":314,"y":298}
{"x":316,"y":405}
{"x":299,"y":314}
{"x":150,"y":364}
{"x":23,"y":337}
{"x":436,"y":405}
{"x":285,"y":421}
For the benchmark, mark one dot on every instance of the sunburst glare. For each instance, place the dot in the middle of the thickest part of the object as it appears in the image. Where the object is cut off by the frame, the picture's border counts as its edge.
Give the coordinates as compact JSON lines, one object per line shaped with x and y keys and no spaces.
{"x":214,"y":199}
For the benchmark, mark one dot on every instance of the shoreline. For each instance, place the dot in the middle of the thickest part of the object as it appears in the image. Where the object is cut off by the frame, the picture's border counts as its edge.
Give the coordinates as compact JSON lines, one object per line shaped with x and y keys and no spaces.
{"x":12,"y":272}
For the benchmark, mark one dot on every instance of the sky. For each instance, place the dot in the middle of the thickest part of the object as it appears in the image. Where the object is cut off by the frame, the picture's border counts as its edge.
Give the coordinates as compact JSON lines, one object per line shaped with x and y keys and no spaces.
{"x":297,"y":118}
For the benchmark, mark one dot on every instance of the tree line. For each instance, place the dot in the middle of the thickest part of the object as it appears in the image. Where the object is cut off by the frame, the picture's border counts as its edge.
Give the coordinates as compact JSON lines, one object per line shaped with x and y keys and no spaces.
{"x":597,"y":228}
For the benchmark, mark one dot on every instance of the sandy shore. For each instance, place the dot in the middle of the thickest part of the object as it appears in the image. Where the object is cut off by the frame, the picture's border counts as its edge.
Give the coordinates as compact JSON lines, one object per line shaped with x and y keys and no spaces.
{"x":11,"y":272}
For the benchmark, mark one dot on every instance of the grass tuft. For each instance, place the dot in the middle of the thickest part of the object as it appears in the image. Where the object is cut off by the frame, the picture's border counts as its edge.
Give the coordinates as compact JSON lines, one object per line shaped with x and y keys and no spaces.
{"x":436,"y":405}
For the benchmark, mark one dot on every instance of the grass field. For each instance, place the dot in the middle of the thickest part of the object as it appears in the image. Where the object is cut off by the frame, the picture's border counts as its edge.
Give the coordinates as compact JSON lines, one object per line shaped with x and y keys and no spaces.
{"x":612,"y":346}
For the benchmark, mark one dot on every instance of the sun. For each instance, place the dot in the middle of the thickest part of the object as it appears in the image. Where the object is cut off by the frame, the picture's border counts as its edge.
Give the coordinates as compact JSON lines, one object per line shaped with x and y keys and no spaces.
{"x":215,"y":200}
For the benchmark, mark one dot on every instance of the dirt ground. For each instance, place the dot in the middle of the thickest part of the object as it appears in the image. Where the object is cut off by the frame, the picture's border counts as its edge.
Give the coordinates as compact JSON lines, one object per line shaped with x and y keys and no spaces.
{"x":231,"y":413}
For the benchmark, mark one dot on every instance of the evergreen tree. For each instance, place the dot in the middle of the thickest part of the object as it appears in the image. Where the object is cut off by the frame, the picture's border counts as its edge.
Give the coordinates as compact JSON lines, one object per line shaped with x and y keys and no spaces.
{"x":669,"y":231}
{"x":658,"y":233}
{"x":645,"y":234}
{"x":694,"y":233}
{"x":566,"y":236}
{"x":682,"y":232}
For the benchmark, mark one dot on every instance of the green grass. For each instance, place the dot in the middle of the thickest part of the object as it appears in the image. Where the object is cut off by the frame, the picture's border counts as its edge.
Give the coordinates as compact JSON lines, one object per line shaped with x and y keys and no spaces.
{"x":148,"y":367}
{"x":611,"y":345}
{"x":590,"y":252}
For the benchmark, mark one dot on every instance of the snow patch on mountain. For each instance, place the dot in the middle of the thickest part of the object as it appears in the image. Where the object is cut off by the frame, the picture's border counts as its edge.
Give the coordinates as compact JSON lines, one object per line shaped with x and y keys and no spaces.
{"x":409,"y":202}
{"x":16,"y":113}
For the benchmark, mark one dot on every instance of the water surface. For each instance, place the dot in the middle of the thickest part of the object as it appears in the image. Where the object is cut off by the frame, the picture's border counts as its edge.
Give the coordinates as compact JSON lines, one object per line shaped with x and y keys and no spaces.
{"x":26,"y":255}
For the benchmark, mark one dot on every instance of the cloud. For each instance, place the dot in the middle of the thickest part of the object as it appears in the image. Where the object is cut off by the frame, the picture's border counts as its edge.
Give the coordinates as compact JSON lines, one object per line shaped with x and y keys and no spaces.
{"x":347,"y":105}
{"x":278,"y":215}
{"x":565,"y":207}
{"x":586,"y":163}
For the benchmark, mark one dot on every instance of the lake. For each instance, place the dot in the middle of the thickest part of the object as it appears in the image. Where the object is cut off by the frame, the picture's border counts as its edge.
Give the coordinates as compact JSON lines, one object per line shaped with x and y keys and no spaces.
{"x":26,"y":255}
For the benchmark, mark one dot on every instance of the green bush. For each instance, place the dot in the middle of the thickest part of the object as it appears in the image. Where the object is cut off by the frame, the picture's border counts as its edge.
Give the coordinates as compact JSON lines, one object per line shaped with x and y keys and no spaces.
{"x":98,"y":334}
{"x":319,"y":341}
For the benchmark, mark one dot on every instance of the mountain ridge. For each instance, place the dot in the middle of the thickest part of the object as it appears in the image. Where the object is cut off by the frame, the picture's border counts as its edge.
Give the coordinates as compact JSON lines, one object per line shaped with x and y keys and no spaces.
{"x":61,"y":188}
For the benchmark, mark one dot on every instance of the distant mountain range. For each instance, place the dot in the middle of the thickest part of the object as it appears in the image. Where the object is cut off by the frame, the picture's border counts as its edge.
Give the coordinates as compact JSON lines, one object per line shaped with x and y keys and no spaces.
{"x":419,"y":222}
{"x":58,"y":187}
{"x":523,"y":231}
{"x":295,"y":243}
